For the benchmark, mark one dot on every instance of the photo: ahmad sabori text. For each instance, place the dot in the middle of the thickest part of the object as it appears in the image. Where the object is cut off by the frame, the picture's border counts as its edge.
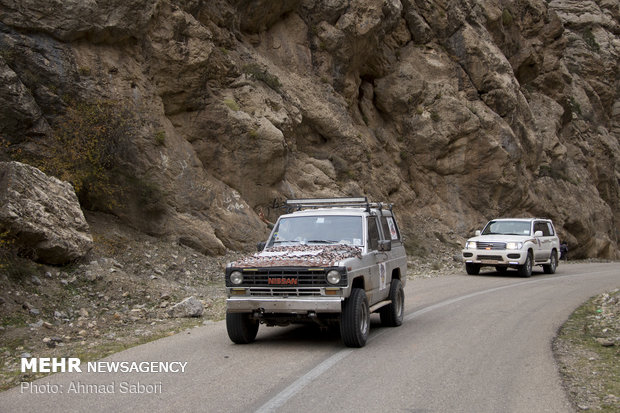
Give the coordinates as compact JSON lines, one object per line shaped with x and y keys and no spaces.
{"x":77,"y":387}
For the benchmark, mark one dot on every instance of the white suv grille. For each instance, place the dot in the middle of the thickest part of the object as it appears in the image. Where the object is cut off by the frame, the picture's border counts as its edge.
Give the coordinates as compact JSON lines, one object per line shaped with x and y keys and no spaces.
{"x":491,"y":245}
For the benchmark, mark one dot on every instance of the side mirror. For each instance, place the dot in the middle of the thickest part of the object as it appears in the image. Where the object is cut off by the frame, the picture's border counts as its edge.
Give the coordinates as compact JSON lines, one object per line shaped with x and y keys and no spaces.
{"x":538,"y":234}
{"x":260,"y":246}
{"x":385,"y":245}
{"x":478,"y":232}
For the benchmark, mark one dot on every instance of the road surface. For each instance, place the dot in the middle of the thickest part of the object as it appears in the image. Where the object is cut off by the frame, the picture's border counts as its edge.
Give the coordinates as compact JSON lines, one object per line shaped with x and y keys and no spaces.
{"x":468,"y":344}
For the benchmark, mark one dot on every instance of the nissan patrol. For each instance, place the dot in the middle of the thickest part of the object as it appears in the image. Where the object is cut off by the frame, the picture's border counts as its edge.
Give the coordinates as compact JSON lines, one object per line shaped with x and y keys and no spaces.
{"x":328,"y":261}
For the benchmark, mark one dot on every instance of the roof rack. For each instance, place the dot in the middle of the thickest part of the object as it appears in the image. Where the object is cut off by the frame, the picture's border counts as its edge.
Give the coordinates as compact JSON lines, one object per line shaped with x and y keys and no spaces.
{"x":298,"y":204}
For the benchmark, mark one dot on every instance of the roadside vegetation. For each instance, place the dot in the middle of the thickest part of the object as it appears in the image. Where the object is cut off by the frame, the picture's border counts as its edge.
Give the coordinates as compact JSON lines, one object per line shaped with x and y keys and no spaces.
{"x":587,"y":349}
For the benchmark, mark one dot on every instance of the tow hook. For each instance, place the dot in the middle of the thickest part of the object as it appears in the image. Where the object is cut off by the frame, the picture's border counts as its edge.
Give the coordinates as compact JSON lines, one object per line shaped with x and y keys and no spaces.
{"x":258,"y":314}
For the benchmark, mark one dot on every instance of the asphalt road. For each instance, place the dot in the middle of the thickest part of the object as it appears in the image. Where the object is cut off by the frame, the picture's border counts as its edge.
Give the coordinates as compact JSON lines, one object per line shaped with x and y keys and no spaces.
{"x":468,"y":344}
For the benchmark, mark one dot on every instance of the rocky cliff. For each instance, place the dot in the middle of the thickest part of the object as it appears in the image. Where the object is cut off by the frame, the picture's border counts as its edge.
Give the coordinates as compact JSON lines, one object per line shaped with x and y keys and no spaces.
{"x":184,"y":118}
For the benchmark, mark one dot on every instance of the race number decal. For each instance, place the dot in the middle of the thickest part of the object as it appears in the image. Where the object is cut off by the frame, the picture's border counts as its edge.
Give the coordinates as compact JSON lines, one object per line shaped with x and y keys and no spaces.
{"x":382,"y":277}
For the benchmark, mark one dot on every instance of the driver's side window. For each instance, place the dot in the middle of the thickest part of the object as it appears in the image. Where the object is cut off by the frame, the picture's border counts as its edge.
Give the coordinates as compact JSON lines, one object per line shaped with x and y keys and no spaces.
{"x":373,"y":234}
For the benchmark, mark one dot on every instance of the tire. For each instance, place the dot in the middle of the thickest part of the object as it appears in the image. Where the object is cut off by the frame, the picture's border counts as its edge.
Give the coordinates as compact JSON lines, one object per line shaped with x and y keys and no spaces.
{"x":241,"y":328}
{"x":525,"y":270}
{"x":472,"y":269}
{"x":355,"y":319}
{"x":553,"y":263}
{"x":392,"y":314}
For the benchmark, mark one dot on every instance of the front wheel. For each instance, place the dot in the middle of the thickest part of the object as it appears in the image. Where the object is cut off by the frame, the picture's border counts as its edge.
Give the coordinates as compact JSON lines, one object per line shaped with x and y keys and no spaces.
{"x":526,"y":269}
{"x":472,"y":269}
{"x":355,"y":319}
{"x":242,"y":329}
{"x":392,"y":314}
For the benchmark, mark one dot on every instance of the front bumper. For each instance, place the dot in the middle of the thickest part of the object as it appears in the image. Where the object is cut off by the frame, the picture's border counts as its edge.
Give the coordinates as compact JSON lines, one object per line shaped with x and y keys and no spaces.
{"x":295,"y":305}
{"x":494,"y":257}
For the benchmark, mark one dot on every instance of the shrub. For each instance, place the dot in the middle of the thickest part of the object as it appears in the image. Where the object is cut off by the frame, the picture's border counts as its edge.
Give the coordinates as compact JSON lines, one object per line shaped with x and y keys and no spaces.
{"x":84,"y":71}
{"x":87,"y":143}
{"x":575,"y":106}
{"x":232,"y":105}
{"x":160,"y":138}
{"x":256,"y":72}
{"x":590,"y":40}
{"x":507,"y":18}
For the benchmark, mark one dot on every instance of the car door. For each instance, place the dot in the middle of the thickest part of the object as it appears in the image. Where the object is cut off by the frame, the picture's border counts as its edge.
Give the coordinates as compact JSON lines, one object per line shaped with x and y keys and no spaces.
{"x":554,"y":240}
{"x":544,"y":242}
{"x":378,"y":270}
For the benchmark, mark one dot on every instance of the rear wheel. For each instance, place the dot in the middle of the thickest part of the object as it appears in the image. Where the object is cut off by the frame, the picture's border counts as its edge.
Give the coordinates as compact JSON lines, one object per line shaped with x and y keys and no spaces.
{"x":242,"y":329}
{"x":392,"y":314}
{"x":526,"y":269}
{"x":355,"y":319}
{"x":553,"y":263}
{"x":472,"y":269}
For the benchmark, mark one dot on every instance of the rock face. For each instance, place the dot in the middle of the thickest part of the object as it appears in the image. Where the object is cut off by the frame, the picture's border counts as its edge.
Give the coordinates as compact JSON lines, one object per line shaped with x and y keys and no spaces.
{"x":42,"y":214}
{"x":456,"y":111}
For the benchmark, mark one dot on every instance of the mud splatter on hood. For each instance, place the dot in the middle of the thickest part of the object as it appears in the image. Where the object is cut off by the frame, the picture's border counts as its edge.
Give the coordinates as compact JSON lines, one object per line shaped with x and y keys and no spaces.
{"x":300,"y":255}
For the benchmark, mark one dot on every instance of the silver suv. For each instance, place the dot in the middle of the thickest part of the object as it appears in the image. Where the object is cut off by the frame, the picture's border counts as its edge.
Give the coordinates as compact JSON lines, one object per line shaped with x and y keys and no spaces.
{"x":331,"y":261}
{"x":517,"y":243}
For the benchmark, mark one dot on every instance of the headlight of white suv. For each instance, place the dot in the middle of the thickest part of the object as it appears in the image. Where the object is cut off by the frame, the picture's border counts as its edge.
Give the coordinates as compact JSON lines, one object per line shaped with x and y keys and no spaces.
{"x":470,"y":245}
{"x":514,"y":245}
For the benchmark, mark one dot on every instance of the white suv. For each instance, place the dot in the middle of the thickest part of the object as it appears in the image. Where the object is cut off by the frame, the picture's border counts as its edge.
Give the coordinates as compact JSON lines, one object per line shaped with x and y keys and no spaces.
{"x":517,"y":243}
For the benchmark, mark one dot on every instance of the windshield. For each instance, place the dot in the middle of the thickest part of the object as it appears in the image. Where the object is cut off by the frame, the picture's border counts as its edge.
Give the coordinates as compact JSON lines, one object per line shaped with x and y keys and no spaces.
{"x":507,"y":228}
{"x":327,"y":229}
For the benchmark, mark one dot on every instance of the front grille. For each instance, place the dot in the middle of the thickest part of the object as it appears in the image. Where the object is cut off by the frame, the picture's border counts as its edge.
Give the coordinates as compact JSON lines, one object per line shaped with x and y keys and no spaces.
{"x":491,"y":245}
{"x":490,"y":257}
{"x":259,"y":277}
{"x":285,"y":292}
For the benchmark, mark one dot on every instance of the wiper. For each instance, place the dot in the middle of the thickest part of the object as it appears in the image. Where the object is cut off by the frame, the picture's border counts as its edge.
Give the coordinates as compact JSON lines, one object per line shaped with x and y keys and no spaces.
{"x":282,"y":240}
{"x":322,"y":241}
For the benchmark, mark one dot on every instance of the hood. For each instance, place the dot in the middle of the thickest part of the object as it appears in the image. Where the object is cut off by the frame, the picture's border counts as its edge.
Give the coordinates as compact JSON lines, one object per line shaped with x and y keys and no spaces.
{"x":300,"y":256}
{"x":501,"y":238}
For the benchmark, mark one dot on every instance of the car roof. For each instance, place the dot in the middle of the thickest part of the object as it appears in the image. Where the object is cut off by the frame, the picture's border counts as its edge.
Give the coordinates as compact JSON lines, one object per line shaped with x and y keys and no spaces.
{"x":335,"y":211}
{"x":521,"y":219}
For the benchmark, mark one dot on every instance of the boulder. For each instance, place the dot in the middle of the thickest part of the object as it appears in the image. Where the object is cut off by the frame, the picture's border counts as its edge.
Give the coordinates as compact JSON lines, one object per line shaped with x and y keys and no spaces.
{"x":189,"y":307}
{"x":42,"y":214}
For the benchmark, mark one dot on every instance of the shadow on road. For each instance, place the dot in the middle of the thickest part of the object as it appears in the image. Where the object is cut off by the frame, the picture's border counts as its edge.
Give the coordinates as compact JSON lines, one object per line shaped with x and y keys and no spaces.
{"x":505,"y":274}
{"x":306,"y":335}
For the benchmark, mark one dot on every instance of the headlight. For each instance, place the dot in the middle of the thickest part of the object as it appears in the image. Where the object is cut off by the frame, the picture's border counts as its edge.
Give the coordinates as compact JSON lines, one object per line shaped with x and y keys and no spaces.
{"x":514,"y":245}
{"x":470,"y":245}
{"x":333,"y":277}
{"x":236,"y":277}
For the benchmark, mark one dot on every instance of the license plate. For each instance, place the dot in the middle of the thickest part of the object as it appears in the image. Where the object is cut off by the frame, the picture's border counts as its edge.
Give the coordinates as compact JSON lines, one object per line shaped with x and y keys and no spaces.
{"x":282,"y":280}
